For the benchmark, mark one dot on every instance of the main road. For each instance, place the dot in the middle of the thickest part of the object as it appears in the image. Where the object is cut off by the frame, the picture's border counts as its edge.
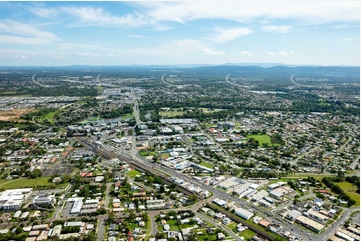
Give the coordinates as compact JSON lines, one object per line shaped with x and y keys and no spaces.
{"x":301,"y":233}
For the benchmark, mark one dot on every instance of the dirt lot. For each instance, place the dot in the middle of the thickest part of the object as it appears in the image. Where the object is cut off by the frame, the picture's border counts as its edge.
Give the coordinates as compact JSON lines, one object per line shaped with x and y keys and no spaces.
{"x":12,"y":114}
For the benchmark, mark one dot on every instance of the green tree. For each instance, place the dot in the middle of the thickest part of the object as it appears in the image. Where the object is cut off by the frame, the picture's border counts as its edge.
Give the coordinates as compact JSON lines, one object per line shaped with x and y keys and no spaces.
{"x":36,"y":173}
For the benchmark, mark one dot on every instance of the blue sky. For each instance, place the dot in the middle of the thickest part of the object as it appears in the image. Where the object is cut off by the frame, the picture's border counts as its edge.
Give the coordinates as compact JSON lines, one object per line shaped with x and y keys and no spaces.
{"x":186,"y":32}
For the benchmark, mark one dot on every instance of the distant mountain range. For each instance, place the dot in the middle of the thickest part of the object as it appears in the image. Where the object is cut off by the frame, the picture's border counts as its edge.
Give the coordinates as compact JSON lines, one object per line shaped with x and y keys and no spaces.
{"x":238,"y":69}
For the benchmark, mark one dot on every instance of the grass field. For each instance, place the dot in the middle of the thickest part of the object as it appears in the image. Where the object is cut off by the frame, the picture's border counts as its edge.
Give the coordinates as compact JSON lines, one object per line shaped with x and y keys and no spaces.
{"x":305,"y":175}
{"x":148,"y":225}
{"x":90,"y":119}
{"x":206,"y":165}
{"x":127,"y":116}
{"x":208,"y":110}
{"x":261,"y":138}
{"x":50,"y":117}
{"x":147,"y":153}
{"x":20,"y":183}
{"x":207,"y":237}
{"x":247,"y":234}
{"x":133,"y":226}
{"x":350,"y":190}
{"x":171,"y":113}
{"x":171,"y":222}
{"x":133,"y":173}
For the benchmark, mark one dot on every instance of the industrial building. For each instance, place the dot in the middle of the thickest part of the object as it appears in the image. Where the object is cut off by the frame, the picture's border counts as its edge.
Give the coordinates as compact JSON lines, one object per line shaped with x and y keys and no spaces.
{"x":317,"y":216}
{"x":229,"y":183}
{"x":293,"y":214}
{"x":309,"y":223}
{"x":219,"y":202}
{"x":276,"y":194}
{"x":241,"y":189}
{"x":264,"y":203}
{"x":243,"y":213}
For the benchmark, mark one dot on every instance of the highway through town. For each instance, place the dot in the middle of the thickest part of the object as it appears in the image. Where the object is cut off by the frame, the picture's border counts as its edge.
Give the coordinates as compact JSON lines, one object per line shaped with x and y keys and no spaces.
{"x":270,"y":215}
{"x":167,"y":83}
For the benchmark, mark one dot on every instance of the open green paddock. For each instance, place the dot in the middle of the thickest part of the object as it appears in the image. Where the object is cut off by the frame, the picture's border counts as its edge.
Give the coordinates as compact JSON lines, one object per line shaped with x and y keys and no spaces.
{"x":206,"y":165}
{"x":171,"y":113}
{"x":127,"y":116}
{"x":305,"y":175}
{"x":350,"y":190}
{"x":32,"y":183}
{"x":147,"y":153}
{"x":261,"y":138}
{"x":210,"y":110}
{"x":247,"y":234}
{"x":50,"y":117}
{"x":133,"y":173}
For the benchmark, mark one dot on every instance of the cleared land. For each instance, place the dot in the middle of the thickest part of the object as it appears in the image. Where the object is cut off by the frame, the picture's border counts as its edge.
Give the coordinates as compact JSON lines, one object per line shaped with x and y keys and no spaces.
{"x":171,"y":113}
{"x":208,"y":110}
{"x":147,"y":153}
{"x":206,"y":165}
{"x":50,"y":117}
{"x":261,"y":138}
{"x":127,"y":116}
{"x":6,"y":115}
{"x":247,"y":234}
{"x":305,"y":175}
{"x":20,"y":183}
{"x":133,"y":173}
{"x":350,"y":190}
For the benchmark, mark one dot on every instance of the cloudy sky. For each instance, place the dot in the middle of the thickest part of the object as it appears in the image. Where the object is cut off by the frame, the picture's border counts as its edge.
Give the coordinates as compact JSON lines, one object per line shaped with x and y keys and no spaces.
{"x":186,"y":32}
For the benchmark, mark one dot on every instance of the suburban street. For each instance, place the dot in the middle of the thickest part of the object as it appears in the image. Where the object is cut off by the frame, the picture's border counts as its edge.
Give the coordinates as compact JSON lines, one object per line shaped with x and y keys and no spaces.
{"x":225,"y":228}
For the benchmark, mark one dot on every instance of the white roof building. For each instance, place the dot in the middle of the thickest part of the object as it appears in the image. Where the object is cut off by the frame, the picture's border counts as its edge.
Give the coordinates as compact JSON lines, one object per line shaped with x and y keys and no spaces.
{"x":99,"y":178}
{"x":24,"y":215}
{"x":78,"y":203}
{"x":74,"y":224}
{"x":12,"y":205}
{"x":17,"y":214}
{"x":293,"y":214}
{"x":259,"y":195}
{"x":92,"y":201}
{"x":13,"y":198}
{"x":219,"y":202}
{"x":243,"y":213}
{"x":229,"y":183}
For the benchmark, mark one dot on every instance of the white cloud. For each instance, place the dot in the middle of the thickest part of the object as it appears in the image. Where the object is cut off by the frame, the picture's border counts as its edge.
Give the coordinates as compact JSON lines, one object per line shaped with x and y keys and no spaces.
{"x":59,"y":57}
{"x":225,"y":35}
{"x":284,"y":53}
{"x":213,"y":52}
{"x":347,"y":39}
{"x":43,"y":12}
{"x":245,"y":11}
{"x":18,"y":57}
{"x":246,"y":53}
{"x":18,"y":28}
{"x":278,"y":29}
{"x":110,"y":55}
{"x":271,"y":53}
{"x":85,"y":54}
{"x":162,"y":27}
{"x":9,"y":39}
{"x":136,"y":36}
{"x":98,"y":16}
